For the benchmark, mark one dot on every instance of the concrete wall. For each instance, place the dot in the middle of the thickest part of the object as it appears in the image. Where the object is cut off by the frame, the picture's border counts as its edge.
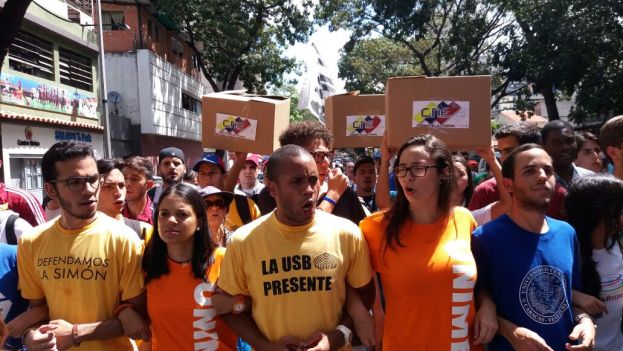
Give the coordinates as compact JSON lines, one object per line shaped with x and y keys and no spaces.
{"x":122,"y":77}
{"x":160,"y":91}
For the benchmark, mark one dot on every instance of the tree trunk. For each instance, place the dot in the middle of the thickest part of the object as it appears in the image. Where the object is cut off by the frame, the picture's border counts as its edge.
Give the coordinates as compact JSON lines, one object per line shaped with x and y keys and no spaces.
{"x":11,"y":17}
{"x":550,"y":101}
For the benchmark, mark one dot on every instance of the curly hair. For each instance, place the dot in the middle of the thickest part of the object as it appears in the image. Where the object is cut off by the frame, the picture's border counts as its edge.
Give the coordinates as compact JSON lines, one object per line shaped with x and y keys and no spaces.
{"x":302,"y":133}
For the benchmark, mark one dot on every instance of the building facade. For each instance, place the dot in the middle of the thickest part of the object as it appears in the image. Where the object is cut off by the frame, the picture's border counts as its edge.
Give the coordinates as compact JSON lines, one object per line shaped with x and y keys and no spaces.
{"x":154,"y":82}
{"x":49,"y":89}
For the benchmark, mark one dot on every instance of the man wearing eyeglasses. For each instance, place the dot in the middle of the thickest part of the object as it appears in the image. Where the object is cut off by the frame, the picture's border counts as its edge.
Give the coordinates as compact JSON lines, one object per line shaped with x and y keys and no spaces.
{"x":336,"y":197}
{"x":84,"y":265}
{"x":211,"y":172}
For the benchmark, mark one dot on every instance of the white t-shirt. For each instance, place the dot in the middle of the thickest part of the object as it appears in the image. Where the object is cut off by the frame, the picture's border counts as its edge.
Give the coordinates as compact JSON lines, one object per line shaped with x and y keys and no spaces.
{"x":610,"y":269}
{"x":482,"y":215}
{"x":21,"y":226}
{"x":253,"y":191}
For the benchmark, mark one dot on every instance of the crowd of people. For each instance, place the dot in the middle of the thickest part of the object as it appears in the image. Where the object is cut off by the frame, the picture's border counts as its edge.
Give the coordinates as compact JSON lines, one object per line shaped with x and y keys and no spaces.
{"x":404,"y":250}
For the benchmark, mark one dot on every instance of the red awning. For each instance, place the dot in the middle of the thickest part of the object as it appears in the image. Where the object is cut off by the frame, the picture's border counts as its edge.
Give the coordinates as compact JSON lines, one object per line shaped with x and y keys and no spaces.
{"x":53,"y":121}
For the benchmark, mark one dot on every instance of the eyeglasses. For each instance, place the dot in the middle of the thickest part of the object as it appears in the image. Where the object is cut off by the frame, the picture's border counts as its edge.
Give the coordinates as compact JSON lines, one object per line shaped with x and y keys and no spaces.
{"x":416,"y":171}
{"x":319,"y":156}
{"x":220,"y":203}
{"x":77,"y":183}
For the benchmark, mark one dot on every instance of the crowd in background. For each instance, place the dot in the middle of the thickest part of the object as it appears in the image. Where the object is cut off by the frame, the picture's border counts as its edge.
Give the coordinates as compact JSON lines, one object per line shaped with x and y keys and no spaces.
{"x":516,"y":246}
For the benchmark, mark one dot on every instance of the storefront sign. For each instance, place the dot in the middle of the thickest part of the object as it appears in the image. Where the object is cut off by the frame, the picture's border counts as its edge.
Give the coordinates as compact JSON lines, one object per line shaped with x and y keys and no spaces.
{"x":25,"y":92}
{"x":61,"y":135}
{"x":28,"y":136}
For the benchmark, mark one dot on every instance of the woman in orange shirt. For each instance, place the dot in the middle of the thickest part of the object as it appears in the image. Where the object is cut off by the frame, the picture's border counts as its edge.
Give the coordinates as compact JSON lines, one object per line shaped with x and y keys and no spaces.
{"x":181,"y":266}
{"x":421,"y":249}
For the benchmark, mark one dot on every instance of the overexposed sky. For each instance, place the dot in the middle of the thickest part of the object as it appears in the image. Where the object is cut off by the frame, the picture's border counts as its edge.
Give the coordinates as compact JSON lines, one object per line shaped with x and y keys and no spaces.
{"x":329,"y":45}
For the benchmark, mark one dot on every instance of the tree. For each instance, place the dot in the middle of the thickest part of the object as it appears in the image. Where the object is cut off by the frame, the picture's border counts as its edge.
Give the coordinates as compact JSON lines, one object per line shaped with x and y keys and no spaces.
{"x":296,"y":115}
{"x":552,"y":44}
{"x":444,"y":37}
{"x":11,"y":17}
{"x":370,"y":62}
{"x":599,"y":94}
{"x":241,"y":40}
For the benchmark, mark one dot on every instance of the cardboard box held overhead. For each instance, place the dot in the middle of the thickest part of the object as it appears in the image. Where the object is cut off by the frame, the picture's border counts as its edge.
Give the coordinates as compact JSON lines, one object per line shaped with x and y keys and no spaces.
{"x":246,"y":123}
{"x":455,"y":109}
{"x":355,"y":120}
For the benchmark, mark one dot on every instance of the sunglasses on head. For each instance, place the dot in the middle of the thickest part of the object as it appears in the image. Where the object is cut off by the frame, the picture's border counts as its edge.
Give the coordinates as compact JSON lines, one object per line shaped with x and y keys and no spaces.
{"x":220,"y":203}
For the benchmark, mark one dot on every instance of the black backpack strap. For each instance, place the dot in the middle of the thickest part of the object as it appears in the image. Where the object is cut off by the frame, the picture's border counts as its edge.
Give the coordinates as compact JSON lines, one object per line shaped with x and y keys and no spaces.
{"x":9,"y":229}
{"x":242,"y":205}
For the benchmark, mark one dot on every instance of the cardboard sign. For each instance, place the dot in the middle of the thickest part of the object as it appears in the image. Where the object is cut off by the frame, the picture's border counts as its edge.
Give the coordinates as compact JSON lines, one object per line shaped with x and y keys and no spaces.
{"x":247,"y":123}
{"x":356,"y":120}
{"x":455,"y":109}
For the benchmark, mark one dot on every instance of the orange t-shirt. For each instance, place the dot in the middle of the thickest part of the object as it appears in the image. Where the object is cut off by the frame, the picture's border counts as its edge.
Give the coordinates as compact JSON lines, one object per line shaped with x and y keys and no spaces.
{"x":428,"y":283}
{"x":181,"y":312}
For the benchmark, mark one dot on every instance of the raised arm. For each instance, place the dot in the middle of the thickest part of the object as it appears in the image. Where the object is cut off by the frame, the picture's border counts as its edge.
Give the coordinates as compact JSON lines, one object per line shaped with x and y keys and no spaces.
{"x":504,"y":204}
{"x":382,"y":196}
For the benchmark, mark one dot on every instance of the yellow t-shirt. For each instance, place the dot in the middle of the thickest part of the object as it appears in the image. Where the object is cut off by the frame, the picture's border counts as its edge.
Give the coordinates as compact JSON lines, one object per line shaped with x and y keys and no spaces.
{"x":233,"y":220}
{"x":296,"y":276}
{"x":83,"y":274}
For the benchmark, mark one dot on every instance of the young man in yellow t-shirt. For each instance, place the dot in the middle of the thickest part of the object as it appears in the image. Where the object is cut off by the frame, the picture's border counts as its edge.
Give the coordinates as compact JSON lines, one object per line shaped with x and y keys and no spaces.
{"x":295,"y":264}
{"x":84,"y":265}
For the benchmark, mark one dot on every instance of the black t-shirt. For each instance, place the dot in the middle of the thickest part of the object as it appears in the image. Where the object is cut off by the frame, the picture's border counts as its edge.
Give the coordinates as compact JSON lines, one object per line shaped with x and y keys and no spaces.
{"x":348,"y":206}
{"x":370,"y":203}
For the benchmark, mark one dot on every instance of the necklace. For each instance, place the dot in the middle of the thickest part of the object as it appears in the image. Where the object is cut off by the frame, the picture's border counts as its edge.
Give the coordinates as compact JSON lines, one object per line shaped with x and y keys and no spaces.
{"x":183,"y":263}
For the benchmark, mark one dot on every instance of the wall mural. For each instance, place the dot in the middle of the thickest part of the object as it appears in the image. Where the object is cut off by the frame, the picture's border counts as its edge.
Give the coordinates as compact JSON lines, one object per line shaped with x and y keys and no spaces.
{"x":24,"y":92}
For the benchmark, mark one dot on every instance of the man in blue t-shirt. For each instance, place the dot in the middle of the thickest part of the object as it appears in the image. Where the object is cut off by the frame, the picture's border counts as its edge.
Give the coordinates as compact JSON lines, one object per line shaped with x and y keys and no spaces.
{"x":11,"y":302}
{"x":527,"y":262}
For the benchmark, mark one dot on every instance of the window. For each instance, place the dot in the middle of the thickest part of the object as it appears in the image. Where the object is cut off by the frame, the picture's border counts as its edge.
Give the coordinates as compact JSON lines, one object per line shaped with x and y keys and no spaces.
{"x":177,"y":47}
{"x":26,"y":173}
{"x":191,"y":104}
{"x":73,"y":14}
{"x":85,"y":6}
{"x":76,"y":70}
{"x":32,"y":55}
{"x":113,"y":20}
{"x":195,"y":62}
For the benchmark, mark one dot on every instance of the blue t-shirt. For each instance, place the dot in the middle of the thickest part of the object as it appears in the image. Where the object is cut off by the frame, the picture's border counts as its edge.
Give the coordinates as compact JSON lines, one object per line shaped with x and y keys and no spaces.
{"x":529,"y":276}
{"x":11,"y":302}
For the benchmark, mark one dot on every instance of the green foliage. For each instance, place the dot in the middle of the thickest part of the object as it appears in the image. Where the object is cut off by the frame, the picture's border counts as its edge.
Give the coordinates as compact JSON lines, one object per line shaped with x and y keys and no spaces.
{"x":241,"y":40}
{"x":370,"y":62}
{"x":444,"y":37}
{"x":553,"y":44}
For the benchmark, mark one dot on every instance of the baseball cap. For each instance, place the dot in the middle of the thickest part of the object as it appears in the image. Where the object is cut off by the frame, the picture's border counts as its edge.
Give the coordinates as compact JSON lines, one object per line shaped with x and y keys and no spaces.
{"x":255,"y":158}
{"x":171,"y":152}
{"x":211,"y":190}
{"x":211,"y":158}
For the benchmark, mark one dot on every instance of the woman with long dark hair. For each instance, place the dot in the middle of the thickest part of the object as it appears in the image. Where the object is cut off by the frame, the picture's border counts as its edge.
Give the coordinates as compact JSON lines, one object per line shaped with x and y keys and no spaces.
{"x":594,"y":207}
{"x":421,"y":248}
{"x":464,"y":181}
{"x":181,"y":266}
